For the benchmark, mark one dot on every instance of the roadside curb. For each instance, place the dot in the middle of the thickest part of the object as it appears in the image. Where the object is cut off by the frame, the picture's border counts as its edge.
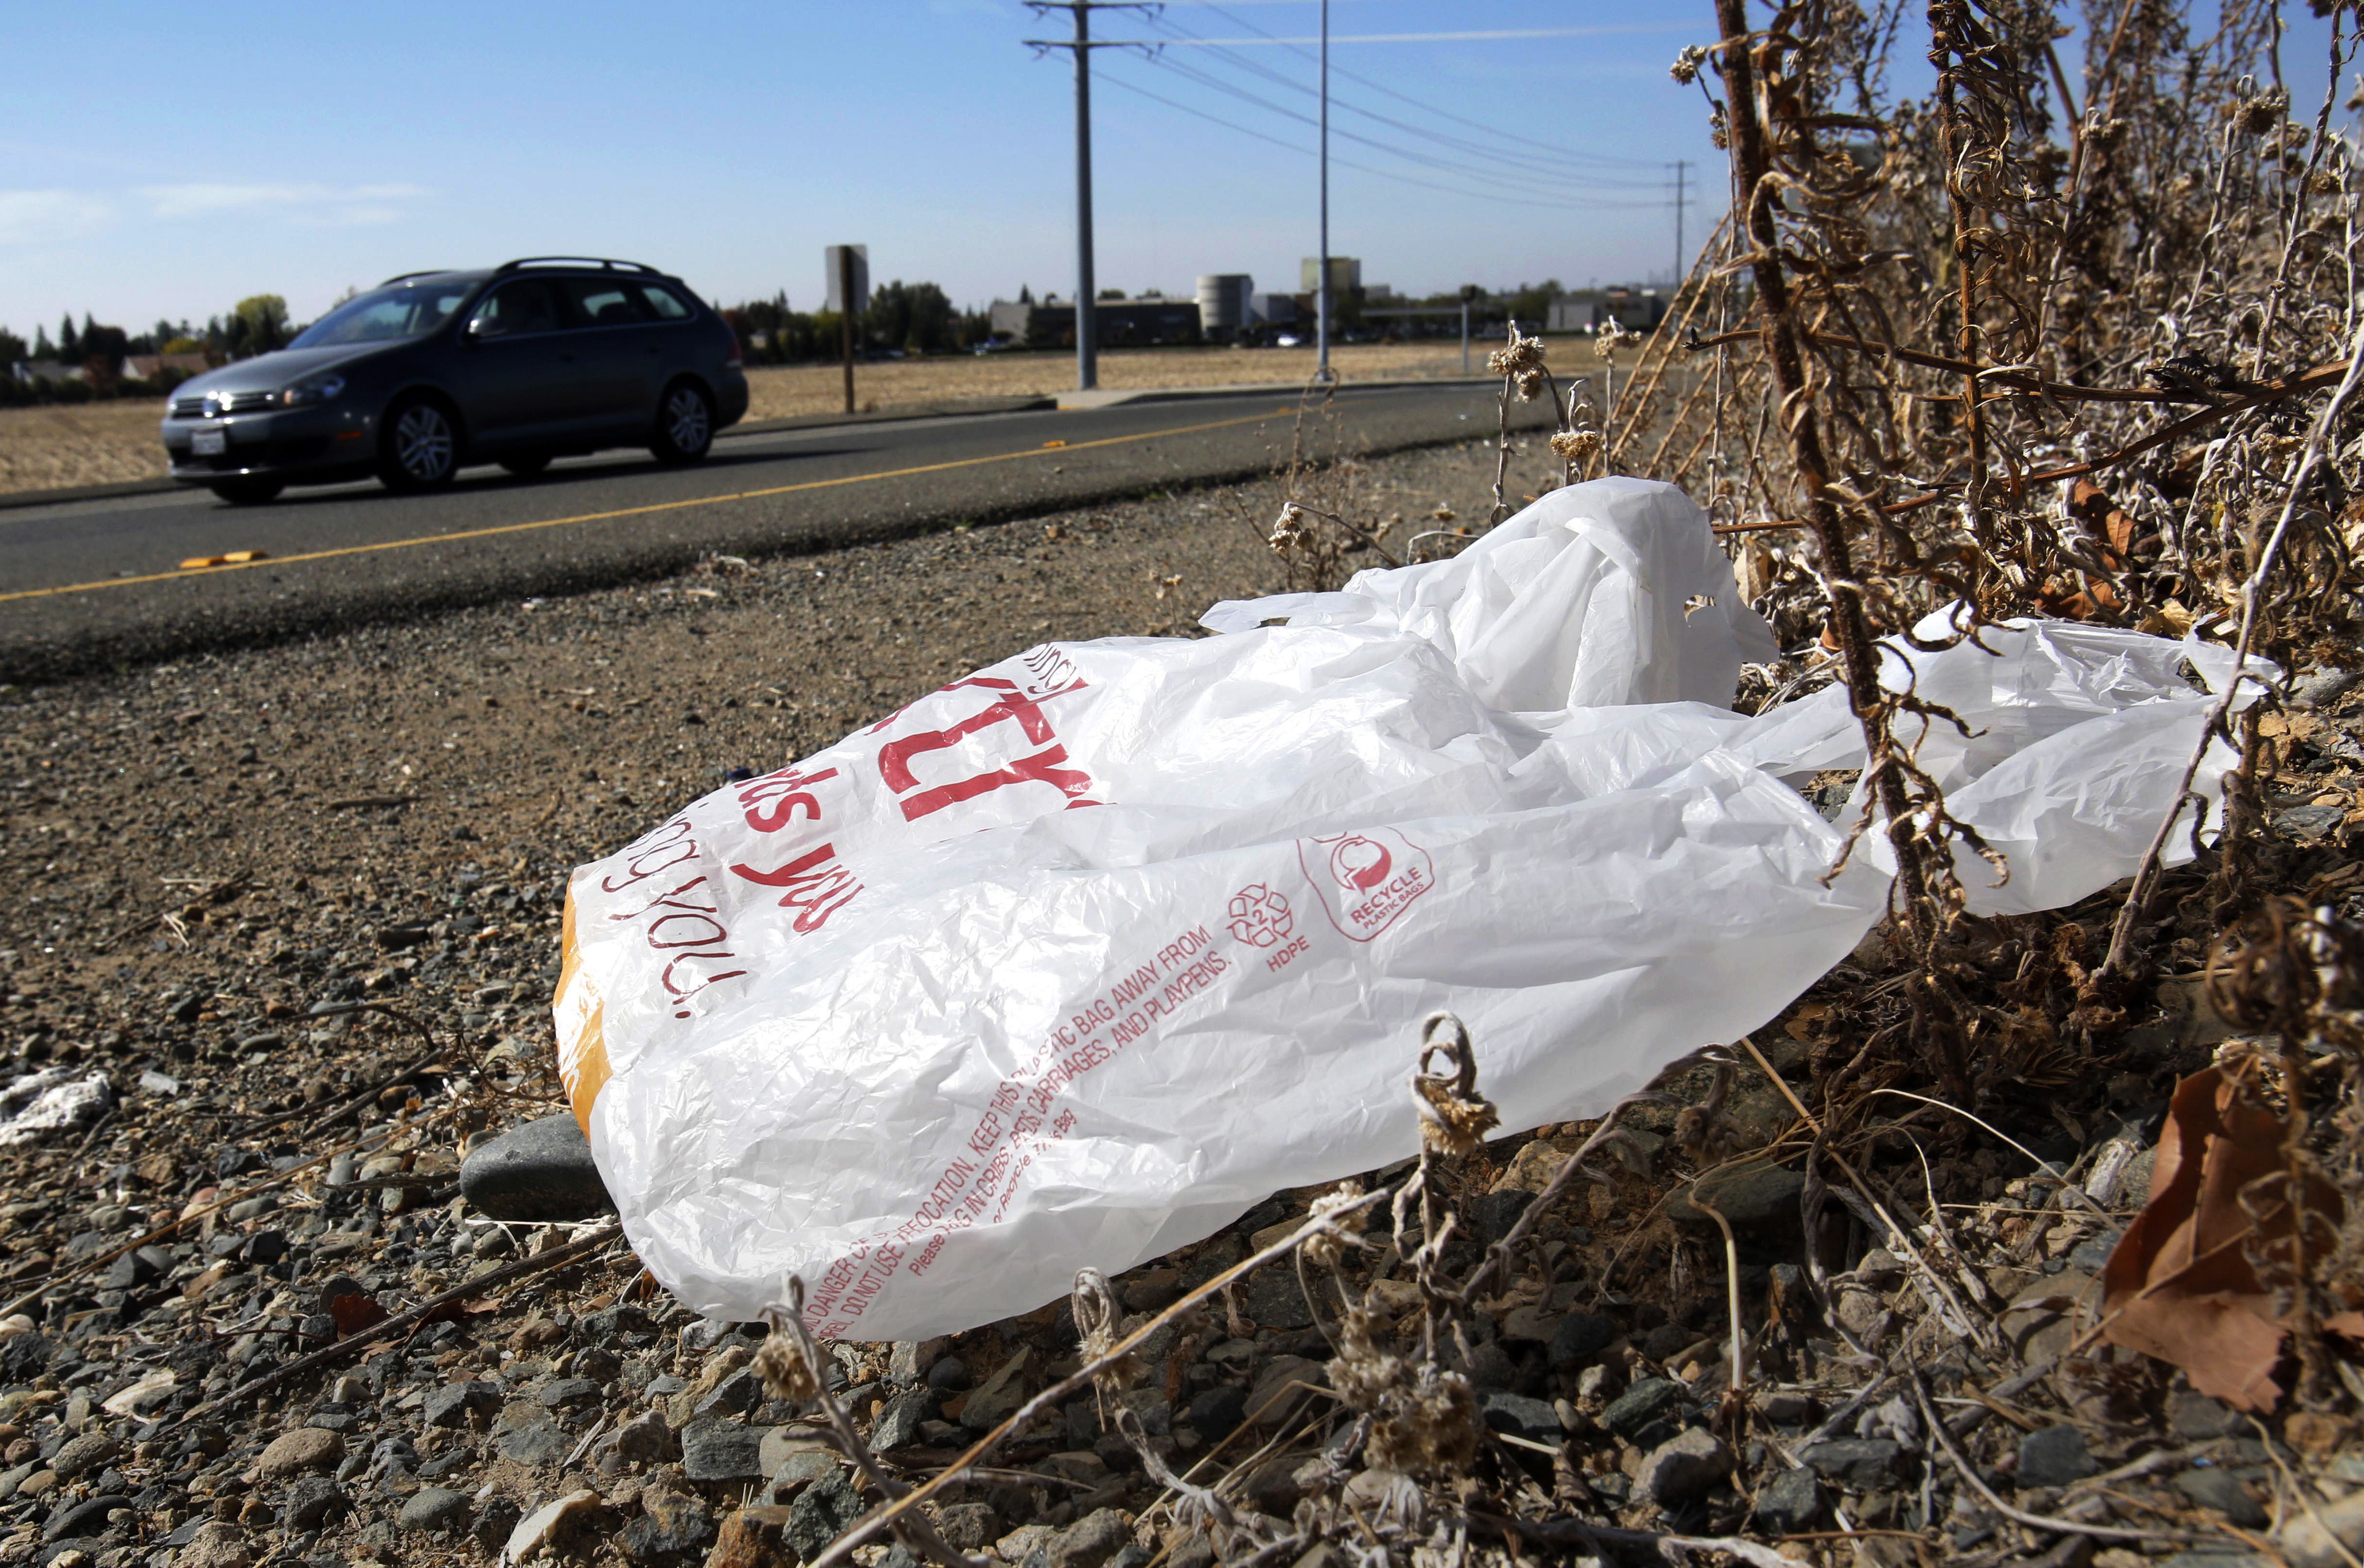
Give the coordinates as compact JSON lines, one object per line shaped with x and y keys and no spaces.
{"x":1102,"y":399}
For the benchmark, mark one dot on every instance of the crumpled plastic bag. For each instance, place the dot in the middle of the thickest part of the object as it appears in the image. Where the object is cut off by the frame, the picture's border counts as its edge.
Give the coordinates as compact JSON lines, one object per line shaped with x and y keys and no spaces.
{"x":1075,"y":958}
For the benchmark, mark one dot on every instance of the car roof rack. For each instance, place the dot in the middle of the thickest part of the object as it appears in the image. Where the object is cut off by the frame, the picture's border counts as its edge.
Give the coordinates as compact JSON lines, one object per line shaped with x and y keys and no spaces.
{"x":422,"y":272}
{"x":600,"y":261}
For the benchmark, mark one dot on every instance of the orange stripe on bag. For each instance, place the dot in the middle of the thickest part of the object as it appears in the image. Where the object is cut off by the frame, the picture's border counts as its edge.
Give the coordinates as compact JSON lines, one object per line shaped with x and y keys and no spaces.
{"x":576,"y":1011}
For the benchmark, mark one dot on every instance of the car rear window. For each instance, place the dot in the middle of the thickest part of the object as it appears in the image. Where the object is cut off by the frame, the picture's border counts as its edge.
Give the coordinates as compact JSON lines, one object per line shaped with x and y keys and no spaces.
{"x":663,"y":302}
{"x":601,"y":302}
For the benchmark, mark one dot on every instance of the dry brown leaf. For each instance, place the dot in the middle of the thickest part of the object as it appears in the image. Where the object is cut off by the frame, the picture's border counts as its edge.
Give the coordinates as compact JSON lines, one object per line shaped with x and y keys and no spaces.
{"x":355,"y":1311}
{"x":2178,"y":1284}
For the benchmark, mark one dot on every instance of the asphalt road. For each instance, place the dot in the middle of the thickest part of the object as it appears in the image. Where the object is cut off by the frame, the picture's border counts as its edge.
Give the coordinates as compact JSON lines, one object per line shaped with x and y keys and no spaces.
{"x":99,"y":584}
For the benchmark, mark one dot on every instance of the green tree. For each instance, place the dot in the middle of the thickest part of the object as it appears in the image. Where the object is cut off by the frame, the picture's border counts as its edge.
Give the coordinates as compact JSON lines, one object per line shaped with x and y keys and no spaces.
{"x":12,"y":348}
{"x":258,"y":325}
{"x":917,"y":319}
{"x":69,"y":340}
{"x":43,"y":347}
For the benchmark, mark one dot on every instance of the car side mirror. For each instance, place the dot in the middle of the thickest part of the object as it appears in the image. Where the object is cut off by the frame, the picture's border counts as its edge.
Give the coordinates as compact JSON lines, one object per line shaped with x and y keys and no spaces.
{"x":473,"y":332}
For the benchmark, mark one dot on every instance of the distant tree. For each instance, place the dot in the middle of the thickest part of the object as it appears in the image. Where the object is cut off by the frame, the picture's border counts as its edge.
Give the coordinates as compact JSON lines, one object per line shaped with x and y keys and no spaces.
{"x":183,"y":344}
{"x":1109,"y":294}
{"x":109,"y":343}
{"x":258,"y":325}
{"x":1025,"y":294}
{"x":42,"y":348}
{"x":1530,"y":304}
{"x":12,"y":348}
{"x":914,"y":318}
{"x":68,"y":339}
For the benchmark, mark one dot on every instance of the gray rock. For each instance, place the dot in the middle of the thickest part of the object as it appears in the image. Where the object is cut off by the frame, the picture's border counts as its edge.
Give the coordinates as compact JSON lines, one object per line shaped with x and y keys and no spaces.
{"x":2309,"y":821}
{"x":948,"y":1375}
{"x":537,"y":1170}
{"x":2054,"y":1456}
{"x":898,"y":1423}
{"x":87,"y":1518}
{"x":535,"y":1444}
{"x":1790,"y":1503}
{"x":452,"y":1405}
{"x":1639,"y":1406}
{"x":89,"y":1452}
{"x":1534,"y":1419}
{"x":2195,"y":1418}
{"x":1273,"y":1297}
{"x":1684,"y":1466}
{"x":2222,"y":1490}
{"x":669,"y":1526}
{"x":734,"y":1395}
{"x":646,"y":1440}
{"x":1216,"y":1411}
{"x":568,"y":1391}
{"x":1581,"y":1337}
{"x":968,"y":1526}
{"x":721,"y":1450}
{"x":311,"y":1503}
{"x":2324,"y":687}
{"x":1493,"y":1214}
{"x":1091,"y":1541}
{"x":820,"y":1514}
{"x":911,"y":1359}
{"x":432,"y":1509}
{"x":1859,"y":1464}
{"x":1760,"y":1202}
{"x":496,"y":1518}
{"x":1275,"y":1399}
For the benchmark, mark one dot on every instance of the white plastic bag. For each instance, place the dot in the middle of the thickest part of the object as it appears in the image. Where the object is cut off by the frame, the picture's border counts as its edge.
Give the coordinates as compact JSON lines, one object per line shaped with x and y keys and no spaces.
{"x":1072,"y":961}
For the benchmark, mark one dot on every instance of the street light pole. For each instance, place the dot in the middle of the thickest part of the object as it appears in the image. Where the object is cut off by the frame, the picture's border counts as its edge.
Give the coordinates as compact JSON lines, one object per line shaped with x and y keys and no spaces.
{"x":1322,"y":295}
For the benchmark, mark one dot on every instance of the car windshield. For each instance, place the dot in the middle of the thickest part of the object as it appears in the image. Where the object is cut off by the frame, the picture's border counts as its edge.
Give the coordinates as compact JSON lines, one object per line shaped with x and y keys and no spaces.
{"x":381,"y":316}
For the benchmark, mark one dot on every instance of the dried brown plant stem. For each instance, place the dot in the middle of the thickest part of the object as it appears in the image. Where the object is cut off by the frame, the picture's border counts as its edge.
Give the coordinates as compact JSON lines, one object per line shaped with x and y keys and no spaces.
{"x":2147,"y":872}
{"x":1858,"y":651}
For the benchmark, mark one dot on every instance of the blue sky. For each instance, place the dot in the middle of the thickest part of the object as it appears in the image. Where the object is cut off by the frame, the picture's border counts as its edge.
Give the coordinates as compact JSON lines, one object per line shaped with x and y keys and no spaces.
{"x":164,"y":160}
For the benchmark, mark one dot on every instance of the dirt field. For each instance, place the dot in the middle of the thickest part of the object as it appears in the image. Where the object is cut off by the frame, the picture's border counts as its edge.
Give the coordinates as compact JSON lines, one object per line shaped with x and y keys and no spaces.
{"x":107,"y":444}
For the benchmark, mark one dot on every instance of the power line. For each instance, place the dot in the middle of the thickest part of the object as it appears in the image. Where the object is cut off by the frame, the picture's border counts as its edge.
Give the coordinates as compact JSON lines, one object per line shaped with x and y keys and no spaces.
{"x":1442,"y":165}
{"x":1115,"y":80}
{"x":1529,"y":162}
{"x":1430,"y":108}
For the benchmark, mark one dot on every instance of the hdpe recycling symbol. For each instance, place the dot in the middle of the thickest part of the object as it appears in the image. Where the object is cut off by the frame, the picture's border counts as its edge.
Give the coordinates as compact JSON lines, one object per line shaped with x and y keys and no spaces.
{"x":1259,"y":916}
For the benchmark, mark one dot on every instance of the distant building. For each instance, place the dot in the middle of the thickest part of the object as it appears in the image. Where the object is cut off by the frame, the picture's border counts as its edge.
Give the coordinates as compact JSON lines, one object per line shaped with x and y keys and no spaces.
{"x":49,"y":372}
{"x":1588,"y":310}
{"x":1224,"y":304}
{"x":1345,"y":273}
{"x":1122,"y":323}
{"x":148,"y":367}
{"x":1273,"y":309}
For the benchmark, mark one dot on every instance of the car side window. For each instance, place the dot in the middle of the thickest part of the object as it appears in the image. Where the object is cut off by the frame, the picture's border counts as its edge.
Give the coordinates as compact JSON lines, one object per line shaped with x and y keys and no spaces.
{"x":599,"y":302}
{"x":663,"y":304}
{"x":526,"y":304}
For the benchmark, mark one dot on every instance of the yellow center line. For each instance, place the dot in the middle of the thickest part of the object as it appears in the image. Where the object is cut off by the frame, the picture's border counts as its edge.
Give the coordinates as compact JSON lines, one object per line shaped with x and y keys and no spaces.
{"x":634,"y":511}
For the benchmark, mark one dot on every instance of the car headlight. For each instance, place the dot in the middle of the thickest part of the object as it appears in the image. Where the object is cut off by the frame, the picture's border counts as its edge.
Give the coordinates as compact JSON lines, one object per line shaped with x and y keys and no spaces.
{"x":319,"y":389}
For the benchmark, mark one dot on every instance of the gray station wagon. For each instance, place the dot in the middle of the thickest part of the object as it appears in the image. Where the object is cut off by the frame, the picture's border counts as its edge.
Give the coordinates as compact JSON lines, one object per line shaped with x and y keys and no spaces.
{"x":430,"y":371}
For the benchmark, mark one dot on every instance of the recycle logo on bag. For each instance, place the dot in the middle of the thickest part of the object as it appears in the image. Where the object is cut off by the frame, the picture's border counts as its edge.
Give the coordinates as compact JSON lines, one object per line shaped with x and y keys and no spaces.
{"x":1259,"y":916}
{"x":1366,"y":880}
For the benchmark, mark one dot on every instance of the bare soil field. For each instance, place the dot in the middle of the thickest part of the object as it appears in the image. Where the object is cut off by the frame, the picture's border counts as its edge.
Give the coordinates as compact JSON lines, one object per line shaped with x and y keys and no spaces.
{"x":110,"y":443}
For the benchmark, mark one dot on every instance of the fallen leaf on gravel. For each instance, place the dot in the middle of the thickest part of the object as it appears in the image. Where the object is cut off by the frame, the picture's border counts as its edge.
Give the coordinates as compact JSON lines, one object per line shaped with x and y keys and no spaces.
{"x":355,"y":1311}
{"x":126,"y":1402}
{"x":2178,"y":1284}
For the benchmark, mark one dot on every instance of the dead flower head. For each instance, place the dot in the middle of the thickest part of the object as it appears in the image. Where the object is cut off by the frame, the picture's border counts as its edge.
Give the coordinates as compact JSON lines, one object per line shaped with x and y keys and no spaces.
{"x":1288,"y":532}
{"x":1424,"y":1421}
{"x":1454,"y":1117}
{"x":1612,"y":337}
{"x":1579,"y":445}
{"x":1686,"y":69}
{"x":1325,"y":1247}
{"x":1099,"y":1328}
{"x":785,"y":1372}
{"x":1522,"y":359}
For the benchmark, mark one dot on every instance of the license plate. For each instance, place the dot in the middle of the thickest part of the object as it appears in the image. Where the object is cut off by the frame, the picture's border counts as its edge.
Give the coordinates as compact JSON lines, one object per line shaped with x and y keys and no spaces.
{"x":209,"y":443}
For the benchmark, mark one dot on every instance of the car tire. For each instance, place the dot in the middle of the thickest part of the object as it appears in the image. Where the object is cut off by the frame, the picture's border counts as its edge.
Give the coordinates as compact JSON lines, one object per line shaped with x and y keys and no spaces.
{"x":420,"y":445}
{"x":526,"y":467}
{"x":685,"y":431}
{"x":248,"y":492}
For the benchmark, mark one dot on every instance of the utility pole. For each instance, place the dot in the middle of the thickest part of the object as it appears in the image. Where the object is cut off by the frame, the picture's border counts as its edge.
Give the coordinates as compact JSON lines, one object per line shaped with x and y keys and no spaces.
{"x":1088,"y":370}
{"x":1322,"y":293}
{"x":1680,"y":165}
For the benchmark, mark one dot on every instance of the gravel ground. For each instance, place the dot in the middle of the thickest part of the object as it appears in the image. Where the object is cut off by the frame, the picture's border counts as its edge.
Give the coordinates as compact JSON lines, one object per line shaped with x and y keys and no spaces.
{"x":207,"y":853}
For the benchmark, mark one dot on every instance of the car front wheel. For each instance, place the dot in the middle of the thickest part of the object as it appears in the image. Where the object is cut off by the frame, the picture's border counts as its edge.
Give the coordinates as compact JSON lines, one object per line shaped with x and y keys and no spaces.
{"x":420,"y":449}
{"x":685,"y":424}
